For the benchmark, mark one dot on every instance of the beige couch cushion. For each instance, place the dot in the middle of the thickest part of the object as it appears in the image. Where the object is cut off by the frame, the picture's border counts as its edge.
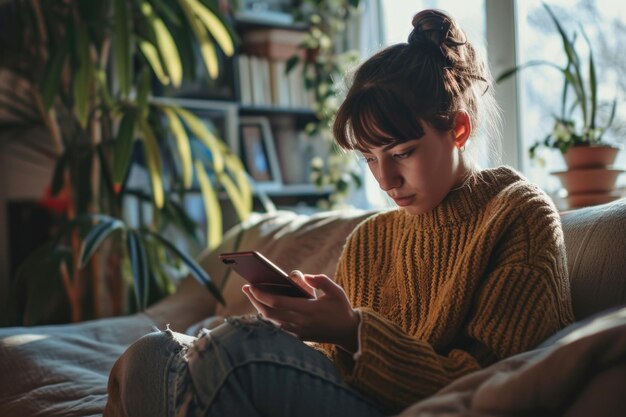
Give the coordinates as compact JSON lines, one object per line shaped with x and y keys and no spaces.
{"x":311,"y":243}
{"x":595,"y":238}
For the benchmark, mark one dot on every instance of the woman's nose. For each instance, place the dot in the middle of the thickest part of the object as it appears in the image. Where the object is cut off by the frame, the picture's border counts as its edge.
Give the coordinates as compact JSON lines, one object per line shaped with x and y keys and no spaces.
{"x":388,"y":177}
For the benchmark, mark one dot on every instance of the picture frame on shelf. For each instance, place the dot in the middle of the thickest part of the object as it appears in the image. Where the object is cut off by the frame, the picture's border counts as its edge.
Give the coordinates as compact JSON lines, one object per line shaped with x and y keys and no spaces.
{"x":258,"y":153}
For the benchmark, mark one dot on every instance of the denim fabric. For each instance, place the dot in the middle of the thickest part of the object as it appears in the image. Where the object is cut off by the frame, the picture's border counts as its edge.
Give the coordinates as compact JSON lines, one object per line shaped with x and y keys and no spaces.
{"x":245,"y":367}
{"x":146,"y":379}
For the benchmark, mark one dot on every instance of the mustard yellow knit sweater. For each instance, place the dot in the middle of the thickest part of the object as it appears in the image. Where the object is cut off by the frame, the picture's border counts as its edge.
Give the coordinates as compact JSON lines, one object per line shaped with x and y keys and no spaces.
{"x":481,"y":277}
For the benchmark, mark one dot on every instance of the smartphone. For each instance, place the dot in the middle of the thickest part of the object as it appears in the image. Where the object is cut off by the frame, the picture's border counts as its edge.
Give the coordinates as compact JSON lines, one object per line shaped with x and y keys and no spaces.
{"x":260,"y":271}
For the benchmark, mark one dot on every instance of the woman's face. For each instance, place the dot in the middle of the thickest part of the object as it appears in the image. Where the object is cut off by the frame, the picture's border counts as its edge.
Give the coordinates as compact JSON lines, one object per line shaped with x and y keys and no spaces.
{"x":419,"y":173}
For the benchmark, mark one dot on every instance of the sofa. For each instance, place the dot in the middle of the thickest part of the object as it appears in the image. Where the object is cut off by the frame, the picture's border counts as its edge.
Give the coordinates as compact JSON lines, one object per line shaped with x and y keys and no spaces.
{"x":62,"y":370}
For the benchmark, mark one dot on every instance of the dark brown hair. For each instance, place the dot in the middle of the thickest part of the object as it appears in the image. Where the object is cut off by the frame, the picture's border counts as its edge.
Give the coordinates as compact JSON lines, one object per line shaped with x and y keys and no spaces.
{"x":428,"y":79}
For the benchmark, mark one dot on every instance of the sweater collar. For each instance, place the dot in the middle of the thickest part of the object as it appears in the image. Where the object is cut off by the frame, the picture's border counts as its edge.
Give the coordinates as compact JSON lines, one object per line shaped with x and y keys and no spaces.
{"x":465,"y":201}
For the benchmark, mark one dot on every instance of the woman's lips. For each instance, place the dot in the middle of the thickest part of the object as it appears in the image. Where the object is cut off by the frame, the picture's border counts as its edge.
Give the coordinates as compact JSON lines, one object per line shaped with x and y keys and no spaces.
{"x":403,"y":201}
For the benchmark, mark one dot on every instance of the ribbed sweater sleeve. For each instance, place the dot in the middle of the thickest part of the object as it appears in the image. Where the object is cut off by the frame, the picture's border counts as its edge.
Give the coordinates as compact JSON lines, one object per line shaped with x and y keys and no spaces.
{"x":454,"y":293}
{"x":399,"y":369}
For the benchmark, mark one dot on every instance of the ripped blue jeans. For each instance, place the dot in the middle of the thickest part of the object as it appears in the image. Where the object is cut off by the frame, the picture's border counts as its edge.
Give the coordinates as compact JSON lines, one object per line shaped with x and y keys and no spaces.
{"x":244,"y":367}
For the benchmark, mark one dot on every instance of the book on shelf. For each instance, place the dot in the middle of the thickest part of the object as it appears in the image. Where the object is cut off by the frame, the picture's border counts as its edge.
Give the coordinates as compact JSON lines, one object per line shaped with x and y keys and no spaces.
{"x":279,"y":84}
{"x":297,"y":92}
{"x":259,"y":76}
{"x":245,"y":82}
{"x":263,"y":82}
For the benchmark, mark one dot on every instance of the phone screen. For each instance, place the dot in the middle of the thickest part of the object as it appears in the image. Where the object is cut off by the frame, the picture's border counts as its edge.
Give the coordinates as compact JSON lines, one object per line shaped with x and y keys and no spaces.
{"x":260,"y":271}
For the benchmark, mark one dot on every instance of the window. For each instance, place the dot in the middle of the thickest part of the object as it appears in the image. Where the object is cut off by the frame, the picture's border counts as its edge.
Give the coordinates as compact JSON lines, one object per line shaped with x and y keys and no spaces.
{"x":604,"y":21}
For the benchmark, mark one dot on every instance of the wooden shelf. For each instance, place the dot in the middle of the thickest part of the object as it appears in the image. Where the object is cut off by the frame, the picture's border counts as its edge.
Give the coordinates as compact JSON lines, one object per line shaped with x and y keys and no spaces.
{"x":295,"y":190}
{"x":266,"y":19}
{"x":248,"y":110}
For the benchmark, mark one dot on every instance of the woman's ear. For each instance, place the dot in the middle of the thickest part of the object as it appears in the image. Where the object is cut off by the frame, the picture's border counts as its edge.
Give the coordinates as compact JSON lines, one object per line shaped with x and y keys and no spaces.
{"x":462,"y":128}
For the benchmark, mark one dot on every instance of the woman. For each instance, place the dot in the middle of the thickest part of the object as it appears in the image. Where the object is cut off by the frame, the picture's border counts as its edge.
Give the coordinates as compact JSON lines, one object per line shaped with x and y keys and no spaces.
{"x":469,"y":270}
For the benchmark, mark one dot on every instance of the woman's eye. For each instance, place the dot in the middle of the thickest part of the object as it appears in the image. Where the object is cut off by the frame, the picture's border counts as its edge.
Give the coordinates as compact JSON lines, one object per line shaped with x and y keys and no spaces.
{"x":368,"y":159}
{"x":403,"y":155}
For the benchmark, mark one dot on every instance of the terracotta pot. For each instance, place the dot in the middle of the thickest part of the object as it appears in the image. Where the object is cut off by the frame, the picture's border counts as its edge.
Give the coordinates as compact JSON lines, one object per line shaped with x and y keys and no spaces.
{"x":596,"y":156}
{"x":588,"y":180}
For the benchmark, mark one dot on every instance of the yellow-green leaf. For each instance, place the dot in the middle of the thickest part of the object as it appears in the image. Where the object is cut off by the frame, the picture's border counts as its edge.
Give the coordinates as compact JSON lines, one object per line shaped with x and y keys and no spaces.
{"x":207,"y":50}
{"x":211,"y":207}
{"x":235,"y":197}
{"x":167,"y":46}
{"x":153,"y":158}
{"x":152,"y":56}
{"x":235,"y":166}
{"x":204,"y":134}
{"x":214,"y":25}
{"x":182,"y":141}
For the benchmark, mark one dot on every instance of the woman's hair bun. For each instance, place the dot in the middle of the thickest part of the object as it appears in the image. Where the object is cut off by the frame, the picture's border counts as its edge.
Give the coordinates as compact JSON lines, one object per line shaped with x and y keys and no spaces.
{"x":434,"y":30}
{"x":431,"y":26}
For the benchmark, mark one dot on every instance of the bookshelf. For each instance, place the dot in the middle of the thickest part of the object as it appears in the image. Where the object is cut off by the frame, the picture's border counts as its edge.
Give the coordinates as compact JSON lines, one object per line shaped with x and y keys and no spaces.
{"x":261,"y":110}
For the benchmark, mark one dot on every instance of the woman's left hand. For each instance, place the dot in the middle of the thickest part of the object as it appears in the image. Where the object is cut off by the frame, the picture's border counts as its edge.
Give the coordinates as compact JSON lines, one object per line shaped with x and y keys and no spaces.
{"x":329,"y":318}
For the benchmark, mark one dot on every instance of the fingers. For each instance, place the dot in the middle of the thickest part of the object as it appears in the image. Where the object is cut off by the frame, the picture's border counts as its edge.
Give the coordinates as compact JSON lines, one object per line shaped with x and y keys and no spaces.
{"x":258,"y":298}
{"x":322,"y":282}
{"x":278,"y":302}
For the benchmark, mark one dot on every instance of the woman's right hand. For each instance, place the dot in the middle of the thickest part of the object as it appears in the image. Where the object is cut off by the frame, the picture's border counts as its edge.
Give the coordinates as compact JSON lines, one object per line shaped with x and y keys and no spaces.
{"x":327,"y":319}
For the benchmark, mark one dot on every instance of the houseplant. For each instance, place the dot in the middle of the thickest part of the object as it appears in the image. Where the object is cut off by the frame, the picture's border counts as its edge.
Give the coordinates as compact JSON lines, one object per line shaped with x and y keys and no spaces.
{"x":576,"y":131}
{"x":89,"y":67}
{"x":325,"y":64}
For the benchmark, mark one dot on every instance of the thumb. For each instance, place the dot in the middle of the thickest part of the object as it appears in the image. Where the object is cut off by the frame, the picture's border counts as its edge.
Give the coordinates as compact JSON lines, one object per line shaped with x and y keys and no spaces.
{"x":322,"y":282}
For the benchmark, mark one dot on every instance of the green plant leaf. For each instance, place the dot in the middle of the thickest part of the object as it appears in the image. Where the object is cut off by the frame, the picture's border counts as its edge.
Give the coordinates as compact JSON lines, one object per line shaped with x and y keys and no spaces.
{"x":153,"y":158}
{"x":214,"y":25}
{"x":151,"y":54}
{"x":82,"y":81}
{"x":52,"y":78}
{"x":101,"y":78}
{"x":196,"y":270}
{"x":576,"y":78}
{"x":123,"y":147}
{"x":166,"y":12}
{"x":207,"y":50}
{"x":167,"y":46}
{"x":291,"y":63}
{"x":235,"y":166}
{"x":534,"y":63}
{"x":139,"y":267}
{"x":182,"y":143}
{"x":143,"y":92}
{"x":105,"y":171}
{"x":204,"y":134}
{"x":593,"y":85}
{"x":58,"y":177}
{"x":121,"y":45}
{"x":177,"y":215}
{"x":96,"y":236}
{"x":235,"y":196}
{"x":211,"y":207}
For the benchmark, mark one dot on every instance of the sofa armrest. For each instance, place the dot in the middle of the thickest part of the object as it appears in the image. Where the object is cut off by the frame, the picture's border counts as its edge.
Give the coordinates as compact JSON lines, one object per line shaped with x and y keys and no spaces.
{"x":595,"y":239}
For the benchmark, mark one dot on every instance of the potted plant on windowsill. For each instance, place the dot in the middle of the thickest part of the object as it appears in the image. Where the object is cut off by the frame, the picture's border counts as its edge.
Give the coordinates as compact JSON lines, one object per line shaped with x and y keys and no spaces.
{"x":590,"y":176}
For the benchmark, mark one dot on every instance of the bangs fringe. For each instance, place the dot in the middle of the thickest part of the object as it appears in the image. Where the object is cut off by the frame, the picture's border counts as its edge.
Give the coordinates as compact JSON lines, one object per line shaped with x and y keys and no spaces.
{"x":376,"y":118}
